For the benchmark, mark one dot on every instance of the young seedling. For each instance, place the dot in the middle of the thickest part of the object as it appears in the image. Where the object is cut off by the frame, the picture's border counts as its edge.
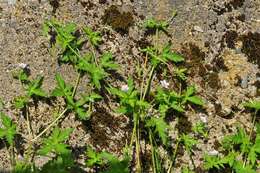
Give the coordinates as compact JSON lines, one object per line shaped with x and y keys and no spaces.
{"x":186,"y":170}
{"x":8,"y":132}
{"x":65,"y":40}
{"x":94,"y":37}
{"x":54,"y":144}
{"x":189,"y":143}
{"x":242,"y":154}
{"x":78,"y":106}
{"x":156,"y":25}
{"x":97,"y":73}
{"x":200,"y":128}
{"x":113,"y":164}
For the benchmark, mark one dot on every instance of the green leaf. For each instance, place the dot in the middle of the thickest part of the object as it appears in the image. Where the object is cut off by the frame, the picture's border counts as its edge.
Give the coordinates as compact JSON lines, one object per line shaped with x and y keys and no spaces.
{"x":107,"y":61}
{"x":201,"y":129}
{"x":62,"y":89}
{"x":239,"y":167}
{"x":9,"y":129}
{"x":160,"y":127}
{"x":94,"y":37}
{"x":213,"y":162}
{"x":154,"y":24}
{"x":180,"y":73}
{"x":253,"y":104}
{"x":177,"y":107}
{"x":116,"y":165}
{"x":186,"y":170}
{"x":190,"y":97}
{"x":62,"y":164}
{"x":45,"y":29}
{"x":189,"y":142}
{"x":167,"y":54}
{"x":23,"y":167}
{"x":34,"y":88}
{"x":195,"y":100}
{"x":20,"y":102}
{"x":93,"y":158}
{"x":55,"y":142}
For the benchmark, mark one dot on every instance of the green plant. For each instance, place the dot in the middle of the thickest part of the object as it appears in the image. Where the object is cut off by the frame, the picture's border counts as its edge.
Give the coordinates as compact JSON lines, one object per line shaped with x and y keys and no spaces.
{"x":64,"y":40}
{"x":114,"y":164}
{"x":33,"y":89}
{"x":189,"y":142}
{"x":8,"y":130}
{"x":65,"y":90}
{"x":129,"y":100}
{"x":154,"y":24}
{"x":94,"y":37}
{"x":96,"y":72}
{"x":171,"y":99}
{"x":158,"y":57}
{"x":242,"y":153}
{"x":160,"y":127}
{"x":55,"y":142}
{"x":186,"y":170}
{"x":131,"y":105}
{"x":200,"y":128}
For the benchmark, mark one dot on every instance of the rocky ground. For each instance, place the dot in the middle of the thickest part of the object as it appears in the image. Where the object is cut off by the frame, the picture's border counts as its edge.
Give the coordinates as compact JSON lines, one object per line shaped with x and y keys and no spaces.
{"x":220,"y":40}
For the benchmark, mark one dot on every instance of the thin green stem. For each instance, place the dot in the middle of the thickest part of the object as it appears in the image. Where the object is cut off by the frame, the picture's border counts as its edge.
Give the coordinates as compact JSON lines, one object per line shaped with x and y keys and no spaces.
{"x":148,"y":86}
{"x":76,"y":85}
{"x":152,"y":149}
{"x":137,"y":144}
{"x":250,"y":133}
{"x":28,"y":122}
{"x":174,"y":155}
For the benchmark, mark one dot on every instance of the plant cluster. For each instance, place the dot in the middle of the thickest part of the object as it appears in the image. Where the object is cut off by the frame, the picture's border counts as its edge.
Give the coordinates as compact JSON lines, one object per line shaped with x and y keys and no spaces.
{"x":146,"y":105}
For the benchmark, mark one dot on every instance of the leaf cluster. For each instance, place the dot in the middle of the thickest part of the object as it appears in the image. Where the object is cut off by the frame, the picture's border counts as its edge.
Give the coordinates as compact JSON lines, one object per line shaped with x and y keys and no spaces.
{"x":8,"y":129}
{"x":97,"y":72}
{"x":33,"y":89}
{"x":238,"y":146}
{"x":65,"y":39}
{"x":129,"y":100}
{"x":153,"y":24}
{"x":103,"y":159}
{"x":78,"y":106}
{"x":162,"y":57}
{"x":172,"y":100}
